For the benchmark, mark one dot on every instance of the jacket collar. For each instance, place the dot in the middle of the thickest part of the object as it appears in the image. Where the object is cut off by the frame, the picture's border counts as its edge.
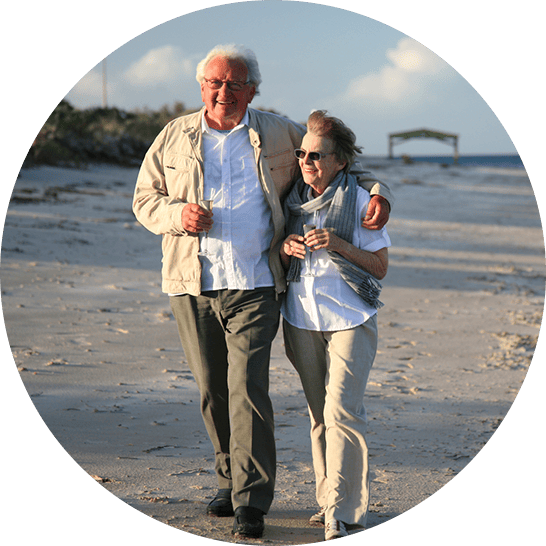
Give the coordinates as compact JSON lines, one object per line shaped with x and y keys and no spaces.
{"x":253,"y":128}
{"x":194,"y":130}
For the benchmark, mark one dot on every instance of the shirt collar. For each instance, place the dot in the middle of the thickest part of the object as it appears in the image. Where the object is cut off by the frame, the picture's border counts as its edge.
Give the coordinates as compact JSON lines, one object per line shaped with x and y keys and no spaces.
{"x":206,"y":129}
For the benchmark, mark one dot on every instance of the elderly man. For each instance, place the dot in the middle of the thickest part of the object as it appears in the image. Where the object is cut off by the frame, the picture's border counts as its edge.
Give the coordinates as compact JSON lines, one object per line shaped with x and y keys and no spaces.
{"x":225,"y":298}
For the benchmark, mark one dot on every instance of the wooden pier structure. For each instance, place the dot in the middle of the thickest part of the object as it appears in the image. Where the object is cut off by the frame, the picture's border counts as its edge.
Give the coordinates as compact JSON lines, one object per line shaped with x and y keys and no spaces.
{"x":448,"y":138}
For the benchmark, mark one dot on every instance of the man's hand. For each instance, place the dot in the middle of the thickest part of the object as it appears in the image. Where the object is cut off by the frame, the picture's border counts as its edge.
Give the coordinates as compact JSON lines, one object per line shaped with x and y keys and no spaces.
{"x":377,"y":214}
{"x":196,"y":219}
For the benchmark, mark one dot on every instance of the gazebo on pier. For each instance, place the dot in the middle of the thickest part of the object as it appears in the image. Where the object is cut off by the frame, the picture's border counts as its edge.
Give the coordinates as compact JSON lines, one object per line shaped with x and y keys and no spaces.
{"x":398,"y":138}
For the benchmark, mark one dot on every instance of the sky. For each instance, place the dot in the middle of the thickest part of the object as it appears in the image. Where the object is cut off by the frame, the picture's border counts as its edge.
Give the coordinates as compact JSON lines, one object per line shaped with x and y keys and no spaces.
{"x":375,"y":78}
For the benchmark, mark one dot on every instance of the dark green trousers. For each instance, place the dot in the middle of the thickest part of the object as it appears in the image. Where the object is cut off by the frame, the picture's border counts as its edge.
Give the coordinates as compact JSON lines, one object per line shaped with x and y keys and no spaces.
{"x":226,"y":336}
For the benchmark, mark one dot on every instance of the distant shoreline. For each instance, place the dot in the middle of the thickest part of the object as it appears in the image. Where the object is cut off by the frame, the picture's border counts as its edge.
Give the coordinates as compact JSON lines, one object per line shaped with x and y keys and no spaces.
{"x":470,"y":160}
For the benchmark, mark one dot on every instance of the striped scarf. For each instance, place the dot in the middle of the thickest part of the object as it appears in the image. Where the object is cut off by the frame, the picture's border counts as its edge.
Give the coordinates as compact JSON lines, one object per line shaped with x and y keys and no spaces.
{"x":340,"y":197}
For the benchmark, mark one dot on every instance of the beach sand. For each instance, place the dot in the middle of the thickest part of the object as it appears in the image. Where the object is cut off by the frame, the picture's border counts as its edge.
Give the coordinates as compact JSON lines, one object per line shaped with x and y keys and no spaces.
{"x":97,"y":349}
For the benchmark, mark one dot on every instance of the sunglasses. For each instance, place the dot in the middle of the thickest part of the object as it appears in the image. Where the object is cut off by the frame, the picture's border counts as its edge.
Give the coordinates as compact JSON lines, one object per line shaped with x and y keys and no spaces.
{"x":313,"y":156}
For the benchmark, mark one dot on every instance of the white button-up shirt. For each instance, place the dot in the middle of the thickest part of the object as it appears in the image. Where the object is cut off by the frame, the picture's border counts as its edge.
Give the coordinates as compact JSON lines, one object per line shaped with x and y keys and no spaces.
{"x":322,"y":300}
{"x":239,"y":240}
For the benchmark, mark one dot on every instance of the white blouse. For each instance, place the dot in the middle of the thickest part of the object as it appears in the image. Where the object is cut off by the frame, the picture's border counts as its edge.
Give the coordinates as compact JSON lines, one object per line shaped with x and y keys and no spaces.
{"x":322,"y":300}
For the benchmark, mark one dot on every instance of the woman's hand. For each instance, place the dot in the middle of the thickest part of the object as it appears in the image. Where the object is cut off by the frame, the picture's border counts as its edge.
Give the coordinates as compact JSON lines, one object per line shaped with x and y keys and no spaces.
{"x":292,"y":246}
{"x":375,"y":263}
{"x":318,"y":239}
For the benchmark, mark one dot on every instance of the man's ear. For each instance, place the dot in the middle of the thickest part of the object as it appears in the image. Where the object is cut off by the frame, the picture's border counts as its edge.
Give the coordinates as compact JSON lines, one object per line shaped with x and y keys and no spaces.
{"x":252,"y":93}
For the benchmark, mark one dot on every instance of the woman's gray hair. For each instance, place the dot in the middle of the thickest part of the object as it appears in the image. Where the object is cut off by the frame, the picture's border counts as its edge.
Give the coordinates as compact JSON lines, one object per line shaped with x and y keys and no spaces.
{"x":237,"y":53}
{"x":321,"y":124}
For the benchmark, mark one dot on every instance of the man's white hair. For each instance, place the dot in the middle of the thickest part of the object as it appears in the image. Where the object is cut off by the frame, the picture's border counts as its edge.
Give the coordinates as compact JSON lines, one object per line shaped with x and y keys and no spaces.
{"x":235,"y":52}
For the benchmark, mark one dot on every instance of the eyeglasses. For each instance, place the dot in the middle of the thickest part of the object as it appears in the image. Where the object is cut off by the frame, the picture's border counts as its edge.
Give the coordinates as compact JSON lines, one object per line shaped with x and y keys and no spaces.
{"x":232,"y":86}
{"x":313,"y":156}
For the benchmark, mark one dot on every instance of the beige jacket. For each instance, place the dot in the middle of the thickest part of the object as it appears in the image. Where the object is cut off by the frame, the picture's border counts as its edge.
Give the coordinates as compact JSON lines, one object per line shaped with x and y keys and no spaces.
{"x":171,"y":175}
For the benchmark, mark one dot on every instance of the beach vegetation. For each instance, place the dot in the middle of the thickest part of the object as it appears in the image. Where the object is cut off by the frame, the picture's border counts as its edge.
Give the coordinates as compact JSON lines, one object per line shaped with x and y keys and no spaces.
{"x":75,"y":138}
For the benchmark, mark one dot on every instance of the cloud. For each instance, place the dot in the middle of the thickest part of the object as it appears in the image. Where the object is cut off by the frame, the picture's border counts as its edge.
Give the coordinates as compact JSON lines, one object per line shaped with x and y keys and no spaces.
{"x":412,"y":57}
{"x":411,"y":70}
{"x":90,"y":85}
{"x":88,"y":90}
{"x":161,"y":66}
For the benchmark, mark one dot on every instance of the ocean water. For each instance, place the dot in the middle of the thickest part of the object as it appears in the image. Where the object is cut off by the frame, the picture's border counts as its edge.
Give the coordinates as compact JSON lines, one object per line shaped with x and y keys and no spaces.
{"x":495,"y":160}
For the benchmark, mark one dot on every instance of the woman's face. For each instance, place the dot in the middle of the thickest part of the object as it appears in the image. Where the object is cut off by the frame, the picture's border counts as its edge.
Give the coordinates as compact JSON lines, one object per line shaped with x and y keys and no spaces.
{"x":319,"y":174}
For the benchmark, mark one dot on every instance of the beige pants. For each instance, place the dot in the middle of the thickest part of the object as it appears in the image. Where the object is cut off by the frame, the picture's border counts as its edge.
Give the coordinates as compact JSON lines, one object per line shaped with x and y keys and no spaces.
{"x":334,"y":369}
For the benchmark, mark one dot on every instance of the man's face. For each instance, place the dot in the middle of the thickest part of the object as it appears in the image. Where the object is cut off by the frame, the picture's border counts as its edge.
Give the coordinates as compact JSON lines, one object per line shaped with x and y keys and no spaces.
{"x":225,"y":108}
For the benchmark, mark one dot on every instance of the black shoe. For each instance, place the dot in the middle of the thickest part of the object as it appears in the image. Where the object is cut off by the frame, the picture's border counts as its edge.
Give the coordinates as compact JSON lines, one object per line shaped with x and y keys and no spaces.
{"x":249,"y":522}
{"x":221,"y":505}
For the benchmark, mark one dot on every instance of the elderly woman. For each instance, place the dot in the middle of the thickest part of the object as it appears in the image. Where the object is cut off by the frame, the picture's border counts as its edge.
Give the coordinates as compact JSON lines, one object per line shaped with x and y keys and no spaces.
{"x":330,"y":324}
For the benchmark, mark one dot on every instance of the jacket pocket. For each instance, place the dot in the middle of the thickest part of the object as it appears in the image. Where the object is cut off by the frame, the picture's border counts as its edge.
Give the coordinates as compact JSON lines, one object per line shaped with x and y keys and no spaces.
{"x":280,"y":159}
{"x":282,"y":166}
{"x":181,"y":176}
{"x":179,"y":163}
